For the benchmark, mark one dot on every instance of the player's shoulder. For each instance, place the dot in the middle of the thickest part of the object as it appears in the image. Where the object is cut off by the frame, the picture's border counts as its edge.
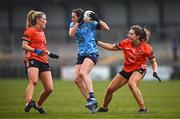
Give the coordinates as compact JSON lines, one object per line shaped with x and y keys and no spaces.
{"x":125,"y":41}
{"x":29,"y":30}
{"x":146,"y":46}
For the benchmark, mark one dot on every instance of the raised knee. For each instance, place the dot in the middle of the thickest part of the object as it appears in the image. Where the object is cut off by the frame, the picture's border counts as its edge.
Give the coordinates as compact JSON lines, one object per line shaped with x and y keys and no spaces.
{"x":33,"y":83}
{"x":82,"y":74}
{"x":77,"y":81}
{"x":49,"y":90}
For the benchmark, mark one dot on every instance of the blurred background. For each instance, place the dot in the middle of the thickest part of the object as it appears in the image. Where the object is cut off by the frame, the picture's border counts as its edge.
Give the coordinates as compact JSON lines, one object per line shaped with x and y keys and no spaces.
{"x":162,"y":16}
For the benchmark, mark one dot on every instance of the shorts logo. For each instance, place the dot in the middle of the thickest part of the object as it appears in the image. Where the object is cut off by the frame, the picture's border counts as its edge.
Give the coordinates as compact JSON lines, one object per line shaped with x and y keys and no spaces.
{"x":140,"y":71}
{"x":32,"y":62}
{"x":140,"y":52}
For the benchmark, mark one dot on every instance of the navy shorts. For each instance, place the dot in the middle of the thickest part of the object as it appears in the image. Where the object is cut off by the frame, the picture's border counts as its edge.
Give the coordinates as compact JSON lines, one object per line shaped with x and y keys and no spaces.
{"x":94,"y":57}
{"x":35,"y":63}
{"x":127,"y":75}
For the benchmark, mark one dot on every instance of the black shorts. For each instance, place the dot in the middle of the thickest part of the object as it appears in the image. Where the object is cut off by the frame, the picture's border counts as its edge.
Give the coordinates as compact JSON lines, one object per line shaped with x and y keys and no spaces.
{"x":127,"y":75}
{"x":94,"y":57}
{"x":35,"y":63}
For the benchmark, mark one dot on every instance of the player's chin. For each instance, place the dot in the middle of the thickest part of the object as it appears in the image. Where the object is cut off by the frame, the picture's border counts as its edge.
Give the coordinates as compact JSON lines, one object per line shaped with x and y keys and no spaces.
{"x":132,"y":40}
{"x":44,"y":26}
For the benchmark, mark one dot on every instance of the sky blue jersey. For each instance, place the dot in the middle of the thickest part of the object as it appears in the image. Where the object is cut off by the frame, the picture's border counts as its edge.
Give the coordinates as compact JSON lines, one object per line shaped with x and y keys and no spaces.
{"x":85,"y":36}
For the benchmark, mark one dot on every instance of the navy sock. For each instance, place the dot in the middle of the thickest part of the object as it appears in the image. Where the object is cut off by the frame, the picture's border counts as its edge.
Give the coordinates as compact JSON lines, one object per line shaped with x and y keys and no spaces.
{"x":91,"y":94}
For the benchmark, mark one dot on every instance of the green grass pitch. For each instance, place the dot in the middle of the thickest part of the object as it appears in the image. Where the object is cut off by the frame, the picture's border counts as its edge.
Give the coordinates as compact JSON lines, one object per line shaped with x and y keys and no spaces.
{"x":66,"y":102}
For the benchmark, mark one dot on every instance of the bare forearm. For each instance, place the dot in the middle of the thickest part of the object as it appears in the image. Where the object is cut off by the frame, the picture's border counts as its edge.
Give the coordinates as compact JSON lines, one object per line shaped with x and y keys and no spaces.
{"x":28,"y":48}
{"x":107,"y":46}
{"x":154,"y":64}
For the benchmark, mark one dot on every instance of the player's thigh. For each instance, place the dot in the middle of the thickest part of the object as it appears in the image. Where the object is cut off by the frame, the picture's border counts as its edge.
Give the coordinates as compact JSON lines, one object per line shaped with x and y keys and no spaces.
{"x":46,"y":78}
{"x":33,"y":74}
{"x":117,"y":82}
{"x":135,"y":78}
{"x":87,"y":66}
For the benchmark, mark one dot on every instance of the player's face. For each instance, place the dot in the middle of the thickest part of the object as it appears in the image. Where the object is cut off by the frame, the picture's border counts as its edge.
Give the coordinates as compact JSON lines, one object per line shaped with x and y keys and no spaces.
{"x":132,"y":36}
{"x":42,"y":22}
{"x":74,"y":17}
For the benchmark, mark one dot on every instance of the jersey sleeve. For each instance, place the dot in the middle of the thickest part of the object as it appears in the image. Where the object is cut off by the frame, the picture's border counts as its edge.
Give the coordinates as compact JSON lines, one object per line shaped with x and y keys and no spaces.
{"x":94,"y":25}
{"x":149,"y":52}
{"x":121,"y":44}
{"x":98,"y":26}
{"x":27,"y":35}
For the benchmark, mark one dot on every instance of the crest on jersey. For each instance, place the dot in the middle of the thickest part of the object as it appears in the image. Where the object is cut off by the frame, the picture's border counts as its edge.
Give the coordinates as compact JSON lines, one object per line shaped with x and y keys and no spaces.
{"x":139,"y":52}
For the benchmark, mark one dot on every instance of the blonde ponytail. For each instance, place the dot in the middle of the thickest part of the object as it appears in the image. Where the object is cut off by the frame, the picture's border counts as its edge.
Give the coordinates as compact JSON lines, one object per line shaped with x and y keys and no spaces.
{"x":30,"y":19}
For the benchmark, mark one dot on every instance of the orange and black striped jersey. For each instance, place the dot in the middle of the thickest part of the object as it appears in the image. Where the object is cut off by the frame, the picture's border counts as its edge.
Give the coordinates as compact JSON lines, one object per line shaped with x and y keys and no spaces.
{"x":37,"y":40}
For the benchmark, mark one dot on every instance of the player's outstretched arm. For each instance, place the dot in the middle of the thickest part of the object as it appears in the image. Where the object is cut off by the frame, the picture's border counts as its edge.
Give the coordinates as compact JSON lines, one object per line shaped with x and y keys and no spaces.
{"x":107,"y":46}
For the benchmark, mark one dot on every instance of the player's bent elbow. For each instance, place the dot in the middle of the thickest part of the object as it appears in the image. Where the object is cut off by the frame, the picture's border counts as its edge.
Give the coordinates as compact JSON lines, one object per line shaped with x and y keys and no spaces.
{"x":71,"y":35}
{"x":23,"y":46}
{"x":107,"y":29}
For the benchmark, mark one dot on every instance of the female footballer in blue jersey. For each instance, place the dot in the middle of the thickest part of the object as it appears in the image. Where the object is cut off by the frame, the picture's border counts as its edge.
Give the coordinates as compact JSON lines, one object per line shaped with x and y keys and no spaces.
{"x":87,"y":55}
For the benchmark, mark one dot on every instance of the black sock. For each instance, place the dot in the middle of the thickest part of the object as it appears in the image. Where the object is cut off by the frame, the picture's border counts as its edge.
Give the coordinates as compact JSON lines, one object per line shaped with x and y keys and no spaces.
{"x":89,"y":99}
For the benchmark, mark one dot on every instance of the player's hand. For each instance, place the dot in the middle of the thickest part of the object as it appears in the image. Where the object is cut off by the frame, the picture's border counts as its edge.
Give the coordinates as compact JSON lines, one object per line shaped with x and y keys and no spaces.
{"x":156,"y":76}
{"x":39,"y":52}
{"x":52,"y":55}
{"x":80,"y":20}
{"x":94,"y":17}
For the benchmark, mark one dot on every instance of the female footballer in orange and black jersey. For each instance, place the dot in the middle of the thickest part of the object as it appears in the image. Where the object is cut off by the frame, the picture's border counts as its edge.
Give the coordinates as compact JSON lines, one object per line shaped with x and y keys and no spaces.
{"x":136,"y":51}
{"x":36,"y":53}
